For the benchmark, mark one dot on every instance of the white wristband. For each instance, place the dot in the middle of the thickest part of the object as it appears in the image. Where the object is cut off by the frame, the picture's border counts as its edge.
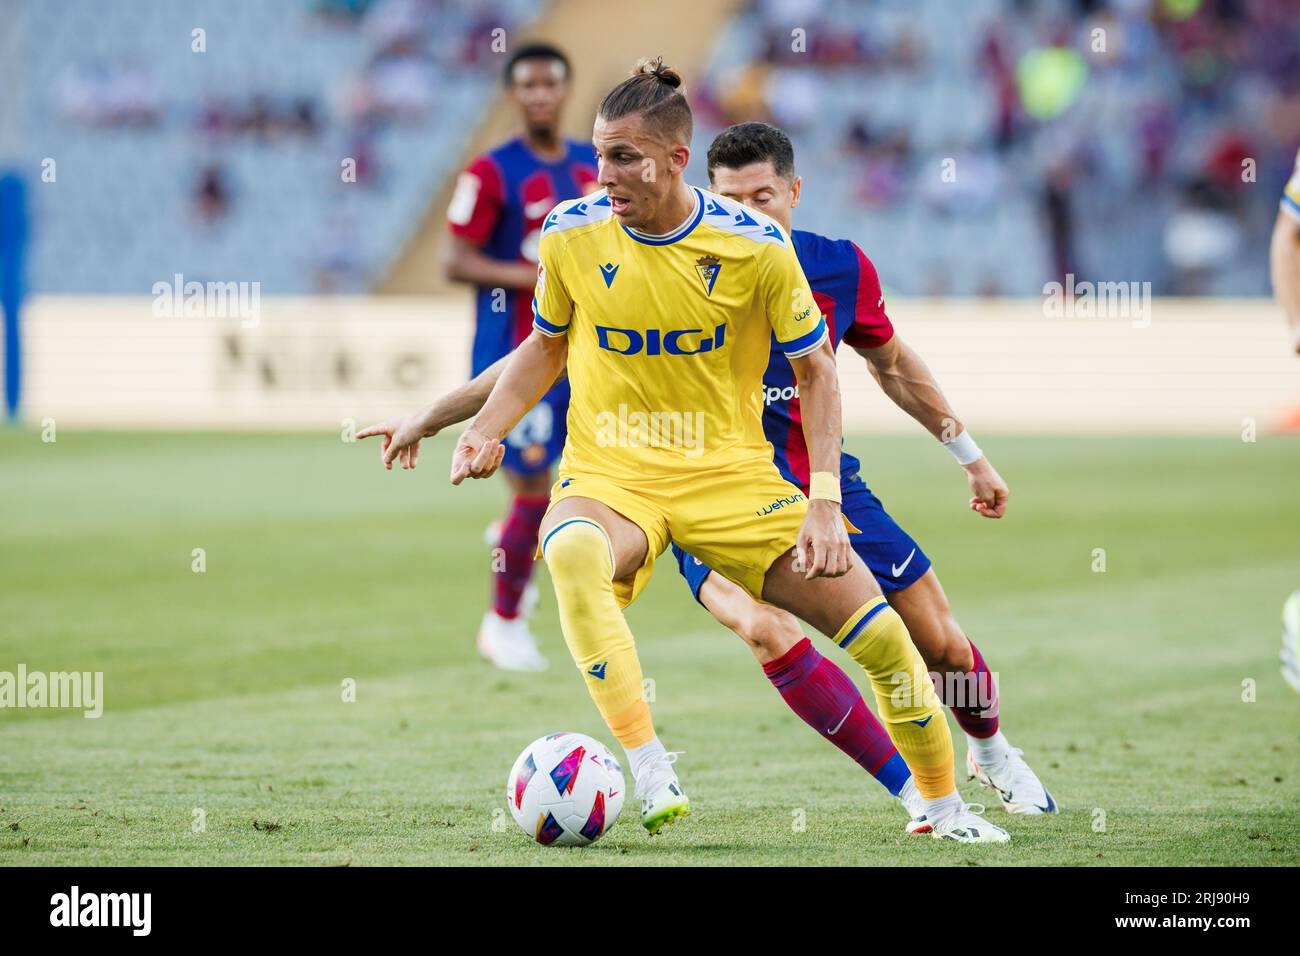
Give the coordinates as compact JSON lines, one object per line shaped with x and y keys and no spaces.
{"x":964,"y":449}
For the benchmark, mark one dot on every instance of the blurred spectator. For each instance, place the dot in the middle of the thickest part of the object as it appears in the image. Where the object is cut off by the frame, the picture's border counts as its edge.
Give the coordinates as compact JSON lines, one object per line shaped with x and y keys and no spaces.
{"x":361,"y":149}
{"x":995,"y":62}
{"x":1058,"y":211}
{"x":1155,"y":135}
{"x":121,"y":95}
{"x":400,"y":86}
{"x":339,"y":266}
{"x":1228,"y":156}
{"x":211,"y":195}
{"x":882,"y":165}
{"x":1201,"y":238}
{"x":346,"y":12}
{"x":743,"y":94}
{"x":794,"y":97}
{"x":965,"y":183}
{"x":260,"y":116}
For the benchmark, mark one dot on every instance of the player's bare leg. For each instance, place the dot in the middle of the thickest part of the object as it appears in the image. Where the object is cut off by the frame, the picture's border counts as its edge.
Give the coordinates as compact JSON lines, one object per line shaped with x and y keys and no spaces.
{"x":924,"y":608}
{"x":767,"y":631}
{"x":966,"y":685}
{"x":851,"y":610}
{"x":588,"y":547}
{"x":504,"y":637}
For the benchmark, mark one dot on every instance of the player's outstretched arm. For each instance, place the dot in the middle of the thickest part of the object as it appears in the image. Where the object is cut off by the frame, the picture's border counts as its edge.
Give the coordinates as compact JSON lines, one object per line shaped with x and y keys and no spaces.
{"x":533,"y":368}
{"x":910,"y":385}
{"x":1284,"y":263}
{"x":403,"y":433}
{"x":823,"y":543}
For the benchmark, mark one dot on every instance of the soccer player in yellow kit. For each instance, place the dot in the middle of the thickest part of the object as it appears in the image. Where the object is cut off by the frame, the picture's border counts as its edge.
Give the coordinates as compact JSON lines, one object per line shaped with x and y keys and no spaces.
{"x":663,"y":298}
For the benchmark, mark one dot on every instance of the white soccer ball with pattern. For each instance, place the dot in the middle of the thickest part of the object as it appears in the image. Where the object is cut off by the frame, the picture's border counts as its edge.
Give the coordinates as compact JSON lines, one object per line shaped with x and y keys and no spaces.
{"x":565,"y":790}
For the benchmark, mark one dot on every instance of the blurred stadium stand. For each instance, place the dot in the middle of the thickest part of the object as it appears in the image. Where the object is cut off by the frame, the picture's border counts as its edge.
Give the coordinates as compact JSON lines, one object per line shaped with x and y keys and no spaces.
{"x":1122,"y":165}
{"x":226,"y":164}
{"x":1119,"y":165}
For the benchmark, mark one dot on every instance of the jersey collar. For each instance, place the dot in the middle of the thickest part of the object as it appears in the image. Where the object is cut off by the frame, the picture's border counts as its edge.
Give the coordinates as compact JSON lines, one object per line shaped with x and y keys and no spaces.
{"x":681,"y":232}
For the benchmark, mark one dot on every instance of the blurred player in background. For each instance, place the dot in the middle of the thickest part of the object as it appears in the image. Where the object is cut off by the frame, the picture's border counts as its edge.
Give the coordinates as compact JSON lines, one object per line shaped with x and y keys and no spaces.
{"x":495,"y":217}
{"x":13,"y":242}
{"x":1284,"y":261}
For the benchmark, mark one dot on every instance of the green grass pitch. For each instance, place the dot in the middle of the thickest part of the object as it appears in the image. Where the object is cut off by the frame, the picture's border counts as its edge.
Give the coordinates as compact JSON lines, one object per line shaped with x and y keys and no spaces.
{"x":223,"y":689}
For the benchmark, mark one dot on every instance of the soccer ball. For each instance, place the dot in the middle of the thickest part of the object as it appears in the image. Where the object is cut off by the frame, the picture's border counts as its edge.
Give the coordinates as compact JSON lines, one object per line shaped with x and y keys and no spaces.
{"x":565,"y":790}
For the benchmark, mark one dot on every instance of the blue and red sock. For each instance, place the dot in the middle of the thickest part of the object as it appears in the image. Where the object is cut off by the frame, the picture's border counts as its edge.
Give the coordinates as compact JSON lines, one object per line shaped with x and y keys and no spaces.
{"x":828,"y":701}
{"x":972,"y":697}
{"x":518,"y":541}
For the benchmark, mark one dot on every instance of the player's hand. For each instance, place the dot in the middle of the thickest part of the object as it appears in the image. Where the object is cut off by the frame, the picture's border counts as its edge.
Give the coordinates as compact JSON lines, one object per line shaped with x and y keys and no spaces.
{"x":991,"y":492}
{"x":401,"y":440}
{"x":822,"y":548}
{"x":476,"y":456}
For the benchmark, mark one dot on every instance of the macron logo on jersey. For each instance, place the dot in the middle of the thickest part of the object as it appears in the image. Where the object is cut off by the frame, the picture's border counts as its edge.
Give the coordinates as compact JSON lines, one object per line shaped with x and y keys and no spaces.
{"x":607,"y":272}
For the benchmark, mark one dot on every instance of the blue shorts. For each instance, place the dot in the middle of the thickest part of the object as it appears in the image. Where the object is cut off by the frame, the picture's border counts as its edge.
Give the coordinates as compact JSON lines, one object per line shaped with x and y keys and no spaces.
{"x":893,"y":556}
{"x":535,"y":444}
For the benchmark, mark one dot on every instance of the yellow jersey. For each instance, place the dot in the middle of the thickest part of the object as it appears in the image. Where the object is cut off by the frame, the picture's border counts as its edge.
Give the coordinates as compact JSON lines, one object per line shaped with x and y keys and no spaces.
{"x":668,"y":336}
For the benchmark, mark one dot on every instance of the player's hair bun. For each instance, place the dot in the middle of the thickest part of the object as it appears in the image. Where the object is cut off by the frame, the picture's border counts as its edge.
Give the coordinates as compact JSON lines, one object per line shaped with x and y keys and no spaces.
{"x":656,"y":68}
{"x":654,"y":91}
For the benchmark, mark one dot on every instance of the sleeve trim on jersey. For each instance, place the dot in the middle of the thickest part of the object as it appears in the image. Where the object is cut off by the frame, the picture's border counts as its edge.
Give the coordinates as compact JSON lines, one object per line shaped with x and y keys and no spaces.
{"x":859,"y":337}
{"x":1290,"y":206}
{"x":486,"y":214}
{"x":546,"y":328}
{"x":805,"y":343}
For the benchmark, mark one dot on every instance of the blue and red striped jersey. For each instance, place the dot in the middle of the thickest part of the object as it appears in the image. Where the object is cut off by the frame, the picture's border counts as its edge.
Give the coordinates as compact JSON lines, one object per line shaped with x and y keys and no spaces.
{"x":500,"y":202}
{"x":847,"y":290}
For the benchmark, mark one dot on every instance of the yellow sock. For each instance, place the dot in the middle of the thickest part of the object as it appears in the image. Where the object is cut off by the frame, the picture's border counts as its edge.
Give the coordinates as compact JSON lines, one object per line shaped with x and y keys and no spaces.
{"x":578,"y":554}
{"x":876,"y":637}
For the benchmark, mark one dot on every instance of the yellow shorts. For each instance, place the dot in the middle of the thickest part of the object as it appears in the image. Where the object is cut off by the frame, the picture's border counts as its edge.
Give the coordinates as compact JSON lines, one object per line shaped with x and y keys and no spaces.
{"x":737,"y":521}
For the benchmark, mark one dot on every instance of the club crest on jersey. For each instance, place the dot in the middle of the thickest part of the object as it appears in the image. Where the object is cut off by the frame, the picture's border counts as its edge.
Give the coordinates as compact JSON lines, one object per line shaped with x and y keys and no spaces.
{"x":708,"y":267}
{"x":607,"y":272}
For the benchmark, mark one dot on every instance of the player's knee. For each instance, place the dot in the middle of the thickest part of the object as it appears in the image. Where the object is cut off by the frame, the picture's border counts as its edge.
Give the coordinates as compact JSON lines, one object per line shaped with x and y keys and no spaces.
{"x":577,"y":551}
{"x":769,"y":631}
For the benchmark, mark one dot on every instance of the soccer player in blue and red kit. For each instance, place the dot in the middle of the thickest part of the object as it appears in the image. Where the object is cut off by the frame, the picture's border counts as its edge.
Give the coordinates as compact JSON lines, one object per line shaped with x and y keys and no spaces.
{"x":754,"y":164}
{"x":495,"y":218}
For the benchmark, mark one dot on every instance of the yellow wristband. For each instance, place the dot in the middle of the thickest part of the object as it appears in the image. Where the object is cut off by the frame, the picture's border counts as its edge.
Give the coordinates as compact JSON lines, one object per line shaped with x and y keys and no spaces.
{"x":824,"y":485}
